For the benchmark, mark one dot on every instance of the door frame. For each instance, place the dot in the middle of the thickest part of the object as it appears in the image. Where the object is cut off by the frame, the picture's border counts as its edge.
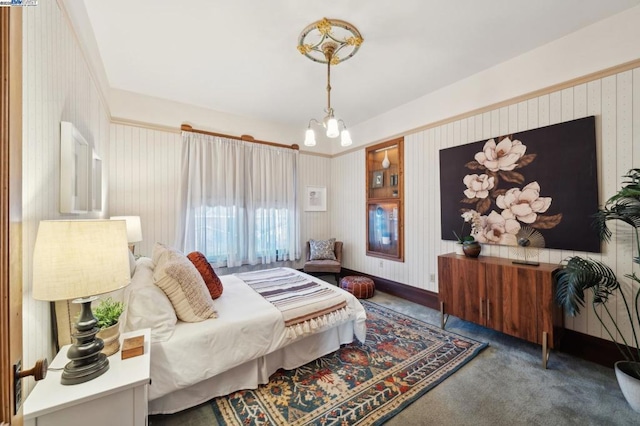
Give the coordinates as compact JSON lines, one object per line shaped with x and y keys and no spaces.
{"x":10,"y":208}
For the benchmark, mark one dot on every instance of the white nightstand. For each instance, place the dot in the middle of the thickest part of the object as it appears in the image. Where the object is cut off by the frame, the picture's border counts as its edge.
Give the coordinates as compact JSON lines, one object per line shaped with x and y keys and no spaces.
{"x":118,"y":397}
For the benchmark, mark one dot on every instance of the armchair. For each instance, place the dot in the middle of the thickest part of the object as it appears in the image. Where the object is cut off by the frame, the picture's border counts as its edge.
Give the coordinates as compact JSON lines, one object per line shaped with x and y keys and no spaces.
{"x":321,"y":267}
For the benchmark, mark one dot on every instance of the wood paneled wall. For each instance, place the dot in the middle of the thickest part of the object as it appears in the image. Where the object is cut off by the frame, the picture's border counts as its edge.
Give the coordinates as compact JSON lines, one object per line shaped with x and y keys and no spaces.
{"x":614,"y":100}
{"x":144,"y":179}
{"x":316,"y":171}
{"x":57,"y":86}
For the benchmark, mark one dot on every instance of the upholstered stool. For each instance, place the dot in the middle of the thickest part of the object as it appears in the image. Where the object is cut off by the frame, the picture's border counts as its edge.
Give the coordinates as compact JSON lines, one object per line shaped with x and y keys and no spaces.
{"x":360,"y":287}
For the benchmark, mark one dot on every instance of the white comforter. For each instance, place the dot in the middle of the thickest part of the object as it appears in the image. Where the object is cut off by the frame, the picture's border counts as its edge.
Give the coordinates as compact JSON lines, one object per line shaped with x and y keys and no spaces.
{"x":247,"y":328}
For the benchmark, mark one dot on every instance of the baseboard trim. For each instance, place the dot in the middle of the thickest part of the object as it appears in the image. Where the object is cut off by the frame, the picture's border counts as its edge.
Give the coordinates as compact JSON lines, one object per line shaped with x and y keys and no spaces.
{"x":407,"y":292}
{"x":580,"y":345}
{"x":590,"y":348}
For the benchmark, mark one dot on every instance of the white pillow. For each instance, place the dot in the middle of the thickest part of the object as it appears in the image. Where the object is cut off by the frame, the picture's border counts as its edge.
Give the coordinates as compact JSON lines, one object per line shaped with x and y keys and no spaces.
{"x":147,"y":306}
{"x":132,"y":263}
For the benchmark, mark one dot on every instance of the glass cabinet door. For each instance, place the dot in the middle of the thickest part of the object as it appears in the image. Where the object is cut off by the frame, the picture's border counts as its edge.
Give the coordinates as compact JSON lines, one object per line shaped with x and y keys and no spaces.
{"x":384,"y":236}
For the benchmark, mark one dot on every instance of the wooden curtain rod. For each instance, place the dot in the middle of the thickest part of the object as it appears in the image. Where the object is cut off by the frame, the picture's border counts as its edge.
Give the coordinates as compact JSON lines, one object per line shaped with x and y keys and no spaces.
{"x":246,"y":138}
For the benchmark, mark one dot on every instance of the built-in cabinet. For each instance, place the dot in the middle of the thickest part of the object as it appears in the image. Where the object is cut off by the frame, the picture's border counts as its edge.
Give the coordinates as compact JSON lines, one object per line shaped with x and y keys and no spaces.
{"x":514,"y":299}
{"x":385,"y":200}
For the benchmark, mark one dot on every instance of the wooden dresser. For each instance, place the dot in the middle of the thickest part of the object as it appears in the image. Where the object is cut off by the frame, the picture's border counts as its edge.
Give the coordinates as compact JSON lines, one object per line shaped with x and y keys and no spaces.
{"x":514,"y":299}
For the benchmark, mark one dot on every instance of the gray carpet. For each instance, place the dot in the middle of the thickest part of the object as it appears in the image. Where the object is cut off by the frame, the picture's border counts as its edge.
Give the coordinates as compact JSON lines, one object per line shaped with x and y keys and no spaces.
{"x":504,"y":385}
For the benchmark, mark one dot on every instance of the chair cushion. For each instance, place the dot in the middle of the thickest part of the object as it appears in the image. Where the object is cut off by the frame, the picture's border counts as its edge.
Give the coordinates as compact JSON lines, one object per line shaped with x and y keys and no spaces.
{"x":331,"y":266}
{"x":322,"y":249}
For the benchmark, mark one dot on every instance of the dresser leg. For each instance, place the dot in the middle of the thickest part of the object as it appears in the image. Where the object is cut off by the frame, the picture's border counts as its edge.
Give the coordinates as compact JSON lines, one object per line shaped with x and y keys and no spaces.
{"x":545,"y":349}
{"x":443,"y":317}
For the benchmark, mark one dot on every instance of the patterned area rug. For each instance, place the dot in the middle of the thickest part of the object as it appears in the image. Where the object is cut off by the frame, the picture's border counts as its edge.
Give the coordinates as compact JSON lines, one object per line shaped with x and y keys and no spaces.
{"x":360,"y":384}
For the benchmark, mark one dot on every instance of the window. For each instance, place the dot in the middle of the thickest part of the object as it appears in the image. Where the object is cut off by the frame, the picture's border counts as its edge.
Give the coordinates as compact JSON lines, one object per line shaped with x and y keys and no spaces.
{"x":238,"y":201}
{"x":216,"y":230}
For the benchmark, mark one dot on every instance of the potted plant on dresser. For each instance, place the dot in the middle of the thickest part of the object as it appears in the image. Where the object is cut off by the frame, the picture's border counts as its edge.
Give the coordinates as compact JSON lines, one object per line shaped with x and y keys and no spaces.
{"x":108,"y":314}
{"x":467,"y":244}
{"x":581,"y":274}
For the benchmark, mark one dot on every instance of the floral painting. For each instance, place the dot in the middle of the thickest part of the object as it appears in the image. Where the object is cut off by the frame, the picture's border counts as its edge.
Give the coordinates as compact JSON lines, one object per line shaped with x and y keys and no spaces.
{"x":544,"y":179}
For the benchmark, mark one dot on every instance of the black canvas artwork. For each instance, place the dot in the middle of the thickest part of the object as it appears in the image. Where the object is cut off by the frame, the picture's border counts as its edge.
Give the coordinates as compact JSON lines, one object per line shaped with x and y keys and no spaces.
{"x":545,"y":179}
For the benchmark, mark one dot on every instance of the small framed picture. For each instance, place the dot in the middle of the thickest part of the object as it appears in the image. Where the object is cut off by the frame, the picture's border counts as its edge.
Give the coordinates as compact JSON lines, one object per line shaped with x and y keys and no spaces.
{"x":316,"y":199}
{"x":378,"y":178}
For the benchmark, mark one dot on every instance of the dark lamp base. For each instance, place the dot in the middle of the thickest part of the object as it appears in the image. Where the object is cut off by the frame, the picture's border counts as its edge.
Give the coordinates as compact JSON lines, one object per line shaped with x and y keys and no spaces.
{"x":73,"y":375}
{"x":87,"y":361}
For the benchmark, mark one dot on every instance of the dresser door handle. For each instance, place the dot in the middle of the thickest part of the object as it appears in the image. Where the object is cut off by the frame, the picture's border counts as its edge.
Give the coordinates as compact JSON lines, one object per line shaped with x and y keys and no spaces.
{"x":481,"y":303}
{"x":488,"y":310}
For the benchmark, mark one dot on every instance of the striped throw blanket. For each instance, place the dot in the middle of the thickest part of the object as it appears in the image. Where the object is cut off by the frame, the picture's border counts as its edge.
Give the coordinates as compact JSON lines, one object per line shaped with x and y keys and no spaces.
{"x":305,"y":305}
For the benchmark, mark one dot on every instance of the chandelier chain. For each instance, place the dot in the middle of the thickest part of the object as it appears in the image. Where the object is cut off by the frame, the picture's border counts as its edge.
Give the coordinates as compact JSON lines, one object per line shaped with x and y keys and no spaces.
{"x":329,"y":110}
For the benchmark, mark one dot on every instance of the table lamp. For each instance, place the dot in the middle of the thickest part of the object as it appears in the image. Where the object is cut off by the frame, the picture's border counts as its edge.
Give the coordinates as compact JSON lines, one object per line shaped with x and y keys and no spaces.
{"x":79,"y":259}
{"x":134,"y":230}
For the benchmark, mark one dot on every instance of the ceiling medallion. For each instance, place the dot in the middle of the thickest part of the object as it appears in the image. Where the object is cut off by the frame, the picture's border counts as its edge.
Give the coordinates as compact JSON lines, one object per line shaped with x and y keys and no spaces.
{"x":343,"y":35}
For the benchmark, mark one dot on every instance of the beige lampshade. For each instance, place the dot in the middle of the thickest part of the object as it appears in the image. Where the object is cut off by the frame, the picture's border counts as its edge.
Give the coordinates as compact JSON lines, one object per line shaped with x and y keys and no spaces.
{"x":79,"y":258}
{"x":134,"y":229}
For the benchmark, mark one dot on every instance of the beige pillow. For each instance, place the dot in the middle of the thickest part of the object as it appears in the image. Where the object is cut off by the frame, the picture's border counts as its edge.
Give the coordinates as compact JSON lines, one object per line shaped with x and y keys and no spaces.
{"x":185,"y":288}
{"x":161,"y":254}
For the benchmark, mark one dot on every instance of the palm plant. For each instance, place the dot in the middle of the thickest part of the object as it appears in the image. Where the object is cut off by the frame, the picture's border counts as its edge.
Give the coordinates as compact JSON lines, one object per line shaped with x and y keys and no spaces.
{"x":579,"y":275}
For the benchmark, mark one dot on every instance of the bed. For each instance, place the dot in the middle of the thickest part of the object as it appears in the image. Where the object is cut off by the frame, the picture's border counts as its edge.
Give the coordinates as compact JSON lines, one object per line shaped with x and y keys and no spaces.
{"x":192,"y":362}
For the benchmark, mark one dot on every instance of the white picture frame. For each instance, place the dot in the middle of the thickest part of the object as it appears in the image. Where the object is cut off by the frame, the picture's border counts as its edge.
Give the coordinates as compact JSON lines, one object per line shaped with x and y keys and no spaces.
{"x":315,"y":199}
{"x":96,"y":183}
{"x":74,"y":170}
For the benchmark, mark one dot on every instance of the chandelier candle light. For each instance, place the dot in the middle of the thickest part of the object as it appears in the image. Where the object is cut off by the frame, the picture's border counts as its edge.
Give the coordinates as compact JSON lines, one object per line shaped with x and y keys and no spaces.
{"x":329,"y":41}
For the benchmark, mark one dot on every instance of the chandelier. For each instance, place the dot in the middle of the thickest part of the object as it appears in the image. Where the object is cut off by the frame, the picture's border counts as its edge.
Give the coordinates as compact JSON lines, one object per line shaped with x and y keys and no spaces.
{"x":329,"y":41}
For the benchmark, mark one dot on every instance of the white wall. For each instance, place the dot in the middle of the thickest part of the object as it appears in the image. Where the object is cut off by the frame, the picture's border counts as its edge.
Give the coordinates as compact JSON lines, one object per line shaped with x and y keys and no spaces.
{"x":316,"y":171}
{"x":146,"y":109}
{"x":144,"y":179}
{"x":57,"y":86}
{"x":604,"y":44}
{"x":614,"y":100}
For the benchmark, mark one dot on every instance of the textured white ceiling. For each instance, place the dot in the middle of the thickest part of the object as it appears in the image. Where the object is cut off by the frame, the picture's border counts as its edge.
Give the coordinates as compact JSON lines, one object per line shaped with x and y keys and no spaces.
{"x":240,"y":56}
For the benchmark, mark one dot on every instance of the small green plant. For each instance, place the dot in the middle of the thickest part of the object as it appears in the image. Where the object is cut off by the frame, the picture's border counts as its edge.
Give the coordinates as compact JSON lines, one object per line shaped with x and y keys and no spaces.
{"x":108,"y":312}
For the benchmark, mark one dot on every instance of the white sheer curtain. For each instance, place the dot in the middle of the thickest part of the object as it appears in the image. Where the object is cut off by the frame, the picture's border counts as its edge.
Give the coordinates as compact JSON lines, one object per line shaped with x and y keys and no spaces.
{"x":238,"y":201}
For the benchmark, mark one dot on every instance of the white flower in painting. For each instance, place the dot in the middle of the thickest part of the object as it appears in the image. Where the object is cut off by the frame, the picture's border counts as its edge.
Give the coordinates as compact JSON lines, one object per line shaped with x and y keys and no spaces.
{"x":495,"y":229}
{"x":478,"y":186}
{"x":503,"y":156}
{"x":523,"y":205}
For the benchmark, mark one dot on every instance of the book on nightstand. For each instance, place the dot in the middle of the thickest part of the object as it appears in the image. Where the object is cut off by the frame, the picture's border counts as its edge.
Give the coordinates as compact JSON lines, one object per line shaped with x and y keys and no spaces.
{"x":132,"y":346}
